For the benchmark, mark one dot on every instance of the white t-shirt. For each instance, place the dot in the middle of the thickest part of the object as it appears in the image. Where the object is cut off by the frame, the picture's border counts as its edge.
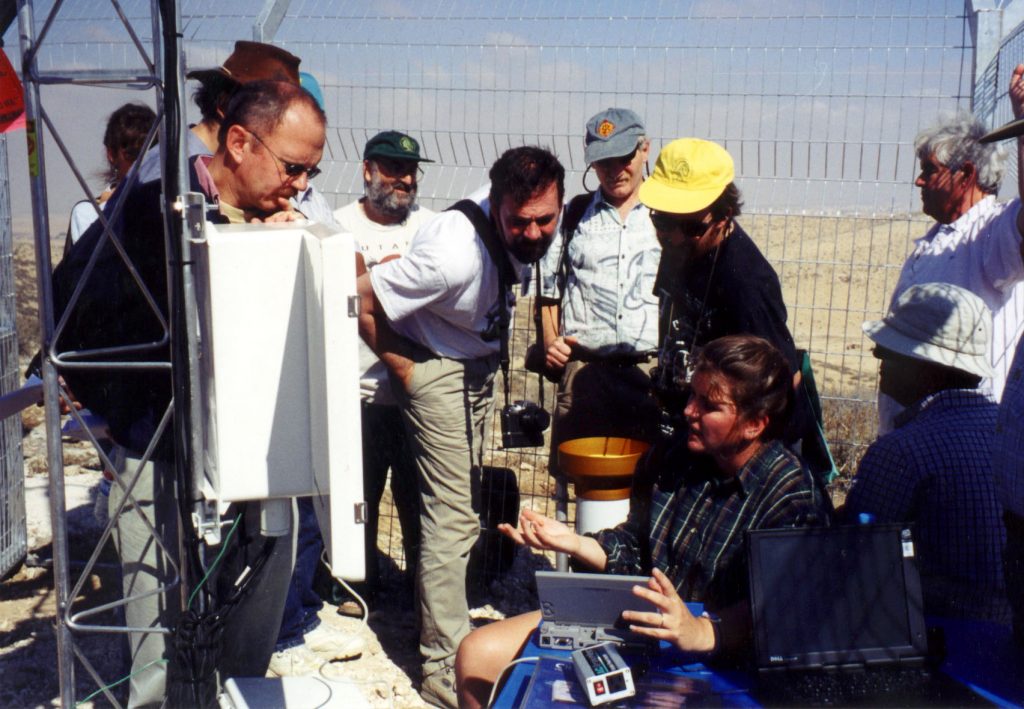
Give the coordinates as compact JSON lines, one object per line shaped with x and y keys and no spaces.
{"x":443,"y":294}
{"x":377,"y":241}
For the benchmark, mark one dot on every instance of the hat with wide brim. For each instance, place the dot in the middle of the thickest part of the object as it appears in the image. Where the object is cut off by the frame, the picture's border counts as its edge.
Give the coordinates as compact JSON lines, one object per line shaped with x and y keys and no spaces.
{"x":689,"y":176}
{"x":1012,"y":129}
{"x":254,"y":61}
{"x":939,"y":323}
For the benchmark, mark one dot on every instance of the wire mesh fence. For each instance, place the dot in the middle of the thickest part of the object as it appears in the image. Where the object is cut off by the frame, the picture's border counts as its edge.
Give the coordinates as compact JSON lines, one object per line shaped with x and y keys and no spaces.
{"x":818,"y":104}
{"x":13,"y":533}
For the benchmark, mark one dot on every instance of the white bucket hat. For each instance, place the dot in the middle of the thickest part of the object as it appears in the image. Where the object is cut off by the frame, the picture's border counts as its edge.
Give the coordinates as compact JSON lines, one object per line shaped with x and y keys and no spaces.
{"x":940,"y":323}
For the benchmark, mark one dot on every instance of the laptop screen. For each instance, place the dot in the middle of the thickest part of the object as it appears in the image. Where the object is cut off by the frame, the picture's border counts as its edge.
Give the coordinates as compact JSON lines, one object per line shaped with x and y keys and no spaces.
{"x":840,"y":595}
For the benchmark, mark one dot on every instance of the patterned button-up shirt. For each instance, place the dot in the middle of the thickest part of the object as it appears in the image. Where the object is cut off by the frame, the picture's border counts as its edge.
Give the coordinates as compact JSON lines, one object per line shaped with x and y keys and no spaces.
{"x":608,"y":299}
{"x":687,"y":521}
{"x":935,"y":471}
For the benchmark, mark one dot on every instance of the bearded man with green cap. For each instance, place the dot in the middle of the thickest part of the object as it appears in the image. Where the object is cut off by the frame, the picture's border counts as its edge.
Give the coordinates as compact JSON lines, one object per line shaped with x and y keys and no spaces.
{"x":713,"y":281}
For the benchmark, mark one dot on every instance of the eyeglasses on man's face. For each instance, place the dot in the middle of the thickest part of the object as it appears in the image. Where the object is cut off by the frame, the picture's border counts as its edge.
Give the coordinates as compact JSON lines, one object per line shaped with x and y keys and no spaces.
{"x":292,"y":169}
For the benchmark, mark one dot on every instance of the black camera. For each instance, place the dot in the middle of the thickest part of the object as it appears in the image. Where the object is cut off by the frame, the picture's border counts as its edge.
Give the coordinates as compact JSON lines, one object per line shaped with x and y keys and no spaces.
{"x":523,"y":424}
{"x":671,"y":381}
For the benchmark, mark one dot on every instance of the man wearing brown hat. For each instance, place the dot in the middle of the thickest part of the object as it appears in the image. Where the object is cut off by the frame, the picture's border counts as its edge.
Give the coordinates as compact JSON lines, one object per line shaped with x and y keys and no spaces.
{"x":934,"y":469}
{"x":251,"y":61}
{"x":599,"y":310}
{"x":383,"y":222}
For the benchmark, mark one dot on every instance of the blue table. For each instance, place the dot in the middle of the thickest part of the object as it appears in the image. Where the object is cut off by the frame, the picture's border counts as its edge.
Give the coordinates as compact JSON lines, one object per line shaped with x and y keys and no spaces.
{"x":981,"y":656}
{"x":733,"y":687}
{"x":984,"y":658}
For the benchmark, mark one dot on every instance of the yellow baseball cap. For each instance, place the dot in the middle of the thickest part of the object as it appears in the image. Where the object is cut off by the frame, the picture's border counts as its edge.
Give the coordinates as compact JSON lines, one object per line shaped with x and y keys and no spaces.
{"x":689,"y":176}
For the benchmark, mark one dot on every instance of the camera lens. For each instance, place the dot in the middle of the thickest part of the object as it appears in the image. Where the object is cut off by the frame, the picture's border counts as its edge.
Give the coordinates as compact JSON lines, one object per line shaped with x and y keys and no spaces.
{"x":535,"y":419}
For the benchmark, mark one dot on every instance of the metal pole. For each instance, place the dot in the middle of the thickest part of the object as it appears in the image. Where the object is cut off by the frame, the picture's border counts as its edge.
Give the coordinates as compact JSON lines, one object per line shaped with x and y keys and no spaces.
{"x":51,"y":386}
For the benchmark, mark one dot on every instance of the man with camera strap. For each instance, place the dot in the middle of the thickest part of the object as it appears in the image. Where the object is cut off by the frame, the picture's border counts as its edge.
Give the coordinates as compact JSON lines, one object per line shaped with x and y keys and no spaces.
{"x":435,"y":319}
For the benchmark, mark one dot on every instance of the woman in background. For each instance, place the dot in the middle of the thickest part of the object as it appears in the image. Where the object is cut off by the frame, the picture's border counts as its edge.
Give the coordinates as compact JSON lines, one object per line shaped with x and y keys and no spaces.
{"x":123,"y":140}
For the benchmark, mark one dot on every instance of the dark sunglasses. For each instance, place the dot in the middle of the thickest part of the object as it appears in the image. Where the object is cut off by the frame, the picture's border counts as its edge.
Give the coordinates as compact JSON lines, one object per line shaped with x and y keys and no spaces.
{"x":692,"y":228}
{"x":292,"y":169}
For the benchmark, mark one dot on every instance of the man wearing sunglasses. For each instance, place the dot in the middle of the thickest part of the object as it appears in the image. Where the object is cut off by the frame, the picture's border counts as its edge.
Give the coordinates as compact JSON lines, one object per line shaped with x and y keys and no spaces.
{"x":713,"y":280}
{"x":598,"y":307}
{"x":267,"y":127}
{"x":433,"y":318}
{"x":249,"y":62}
{"x":383,"y":222}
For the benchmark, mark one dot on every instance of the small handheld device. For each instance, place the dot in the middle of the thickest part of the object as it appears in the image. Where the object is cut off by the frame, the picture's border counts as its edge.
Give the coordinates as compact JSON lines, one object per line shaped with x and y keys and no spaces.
{"x":603,"y":674}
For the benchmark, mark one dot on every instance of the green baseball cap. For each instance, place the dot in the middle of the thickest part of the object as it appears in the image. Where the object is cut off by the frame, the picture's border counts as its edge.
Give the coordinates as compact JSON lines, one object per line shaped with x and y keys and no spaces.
{"x":394,"y":145}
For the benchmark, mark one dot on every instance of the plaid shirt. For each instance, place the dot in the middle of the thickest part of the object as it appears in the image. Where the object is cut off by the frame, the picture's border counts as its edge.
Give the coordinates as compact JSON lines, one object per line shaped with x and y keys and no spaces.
{"x":935,"y":471}
{"x":687,"y":521}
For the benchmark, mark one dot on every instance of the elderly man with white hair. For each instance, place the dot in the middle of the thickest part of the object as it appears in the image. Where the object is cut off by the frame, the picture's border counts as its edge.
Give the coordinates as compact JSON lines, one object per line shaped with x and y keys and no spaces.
{"x":976,"y":242}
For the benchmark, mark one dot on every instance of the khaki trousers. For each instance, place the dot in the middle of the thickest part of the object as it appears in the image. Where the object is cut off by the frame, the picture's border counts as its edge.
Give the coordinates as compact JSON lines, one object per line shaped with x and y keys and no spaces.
{"x":149,"y":569}
{"x":445,"y":411}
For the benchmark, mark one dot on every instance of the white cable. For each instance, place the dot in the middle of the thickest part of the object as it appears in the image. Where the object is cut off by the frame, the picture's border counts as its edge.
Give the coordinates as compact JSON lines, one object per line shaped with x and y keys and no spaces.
{"x":359,"y":599}
{"x":501,"y":675}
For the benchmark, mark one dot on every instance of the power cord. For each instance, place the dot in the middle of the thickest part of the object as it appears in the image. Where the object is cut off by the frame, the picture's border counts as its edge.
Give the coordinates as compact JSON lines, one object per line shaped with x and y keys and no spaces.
{"x":352,"y":592}
{"x":124,"y":679}
{"x":501,"y":676}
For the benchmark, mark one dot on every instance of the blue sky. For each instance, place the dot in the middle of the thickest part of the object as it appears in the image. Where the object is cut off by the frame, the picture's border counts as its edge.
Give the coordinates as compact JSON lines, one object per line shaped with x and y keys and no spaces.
{"x":818,"y":101}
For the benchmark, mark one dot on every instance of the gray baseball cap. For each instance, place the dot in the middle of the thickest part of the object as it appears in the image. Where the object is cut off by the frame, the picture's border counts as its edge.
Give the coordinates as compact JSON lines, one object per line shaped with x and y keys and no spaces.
{"x":612,"y":133}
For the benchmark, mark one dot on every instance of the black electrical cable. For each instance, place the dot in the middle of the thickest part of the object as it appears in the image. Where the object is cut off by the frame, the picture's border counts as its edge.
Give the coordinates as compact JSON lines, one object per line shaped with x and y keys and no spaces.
{"x":198,"y":638}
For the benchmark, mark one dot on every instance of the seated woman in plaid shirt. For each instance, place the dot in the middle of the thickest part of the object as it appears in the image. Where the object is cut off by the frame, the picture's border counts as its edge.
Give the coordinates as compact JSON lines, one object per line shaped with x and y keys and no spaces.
{"x":693,"y":498}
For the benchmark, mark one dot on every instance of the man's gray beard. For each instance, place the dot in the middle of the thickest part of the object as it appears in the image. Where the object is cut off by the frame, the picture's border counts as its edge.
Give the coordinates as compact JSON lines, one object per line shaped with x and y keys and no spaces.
{"x":388,"y":203}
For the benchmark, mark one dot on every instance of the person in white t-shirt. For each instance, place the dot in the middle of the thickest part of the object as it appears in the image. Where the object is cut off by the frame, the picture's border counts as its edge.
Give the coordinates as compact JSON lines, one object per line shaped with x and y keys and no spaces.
{"x":383,"y":223}
{"x":434,"y":318}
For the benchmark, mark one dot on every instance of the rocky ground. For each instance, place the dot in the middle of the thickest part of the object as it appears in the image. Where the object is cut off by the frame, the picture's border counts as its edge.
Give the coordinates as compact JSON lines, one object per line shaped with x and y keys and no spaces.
{"x":386,"y":673}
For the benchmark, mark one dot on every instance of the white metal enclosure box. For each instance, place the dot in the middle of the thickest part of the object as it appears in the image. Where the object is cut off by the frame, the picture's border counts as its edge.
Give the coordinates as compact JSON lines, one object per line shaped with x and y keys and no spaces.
{"x":279,"y":373}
